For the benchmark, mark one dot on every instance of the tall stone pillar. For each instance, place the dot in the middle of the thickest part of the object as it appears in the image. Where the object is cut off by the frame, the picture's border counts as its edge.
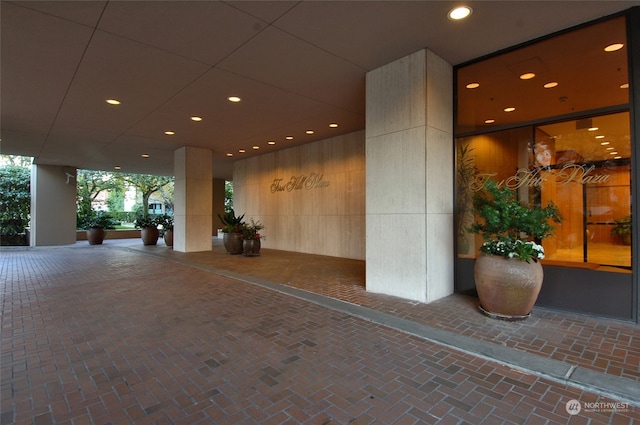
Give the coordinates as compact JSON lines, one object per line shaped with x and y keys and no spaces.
{"x":409,"y":178}
{"x":193,"y":195}
{"x":53,"y":205}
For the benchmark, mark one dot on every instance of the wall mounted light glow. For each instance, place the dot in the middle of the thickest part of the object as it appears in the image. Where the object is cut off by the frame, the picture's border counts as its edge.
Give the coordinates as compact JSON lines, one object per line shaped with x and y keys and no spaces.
{"x":113,"y":101}
{"x":196,"y":119}
{"x":613,"y":47}
{"x":460,"y":12}
{"x":234,"y":99}
{"x":472,"y":85}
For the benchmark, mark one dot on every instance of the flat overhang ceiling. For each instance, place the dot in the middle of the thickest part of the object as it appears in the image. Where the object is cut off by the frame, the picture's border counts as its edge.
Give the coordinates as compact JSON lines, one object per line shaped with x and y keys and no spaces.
{"x":297,"y":66}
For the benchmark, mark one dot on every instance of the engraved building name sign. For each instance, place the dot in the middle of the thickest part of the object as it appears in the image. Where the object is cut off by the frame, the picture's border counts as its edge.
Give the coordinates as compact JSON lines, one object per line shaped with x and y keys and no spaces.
{"x":302,"y":181}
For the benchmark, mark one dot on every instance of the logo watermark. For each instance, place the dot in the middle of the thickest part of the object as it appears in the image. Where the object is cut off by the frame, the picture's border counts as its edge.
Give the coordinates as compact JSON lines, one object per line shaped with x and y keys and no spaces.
{"x":574,"y":407}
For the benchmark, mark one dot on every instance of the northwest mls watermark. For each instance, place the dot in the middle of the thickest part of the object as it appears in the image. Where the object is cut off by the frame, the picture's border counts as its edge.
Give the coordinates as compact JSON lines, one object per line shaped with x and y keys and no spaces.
{"x":574,"y":407}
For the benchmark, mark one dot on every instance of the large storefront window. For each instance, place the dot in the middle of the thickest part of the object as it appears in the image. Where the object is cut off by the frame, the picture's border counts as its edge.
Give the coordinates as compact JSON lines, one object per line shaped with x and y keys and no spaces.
{"x":551,"y":120}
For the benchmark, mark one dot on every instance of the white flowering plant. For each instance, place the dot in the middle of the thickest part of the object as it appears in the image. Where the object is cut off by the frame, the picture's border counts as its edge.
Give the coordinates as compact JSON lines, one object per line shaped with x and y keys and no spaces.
{"x":510,"y":228}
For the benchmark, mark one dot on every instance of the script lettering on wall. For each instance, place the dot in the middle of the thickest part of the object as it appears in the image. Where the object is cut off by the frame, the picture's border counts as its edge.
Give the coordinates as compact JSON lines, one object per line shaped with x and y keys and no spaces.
{"x":570,"y":172}
{"x":302,"y":181}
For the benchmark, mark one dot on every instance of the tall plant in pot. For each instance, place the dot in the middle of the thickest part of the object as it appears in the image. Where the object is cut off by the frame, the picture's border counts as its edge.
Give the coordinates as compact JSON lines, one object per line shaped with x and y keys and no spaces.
{"x":95,"y":224}
{"x":149,"y":231}
{"x":232,"y":228}
{"x":508,"y":273}
{"x":251,"y":238}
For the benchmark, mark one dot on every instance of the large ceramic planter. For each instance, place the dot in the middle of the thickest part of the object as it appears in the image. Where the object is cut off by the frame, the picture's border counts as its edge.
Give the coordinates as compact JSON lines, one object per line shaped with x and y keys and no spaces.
{"x":507,"y":288}
{"x":168,"y":237}
{"x":150,"y":235}
{"x":251,"y":247}
{"x":95,"y":236}
{"x":232,"y":243}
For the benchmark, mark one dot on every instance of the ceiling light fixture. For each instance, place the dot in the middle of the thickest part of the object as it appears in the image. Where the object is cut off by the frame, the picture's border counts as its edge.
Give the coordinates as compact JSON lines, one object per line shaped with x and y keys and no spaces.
{"x":196,"y":119}
{"x":624,"y":86}
{"x":234,"y":99}
{"x":309,"y":132}
{"x":256,"y":147}
{"x":117,"y":167}
{"x":333,"y":125}
{"x":550,"y":85}
{"x":613,"y":47}
{"x":601,"y":137}
{"x":460,"y":12}
{"x":229,"y":154}
{"x":509,"y":109}
{"x":271,"y":142}
{"x":169,"y":133}
{"x":610,"y":148}
{"x":527,"y":76}
{"x":113,"y":101}
{"x":472,"y":85}
{"x":489,"y":121}
{"x":145,"y":155}
{"x":289,"y":137}
{"x":241,"y":150}
{"x":593,"y":129}
{"x":617,"y":157}
{"x":613,"y":153}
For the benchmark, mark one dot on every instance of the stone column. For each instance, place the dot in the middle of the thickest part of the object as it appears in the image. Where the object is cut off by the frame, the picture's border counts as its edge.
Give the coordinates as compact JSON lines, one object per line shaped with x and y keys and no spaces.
{"x":409,"y":178}
{"x":53,"y":205}
{"x":193,"y":197}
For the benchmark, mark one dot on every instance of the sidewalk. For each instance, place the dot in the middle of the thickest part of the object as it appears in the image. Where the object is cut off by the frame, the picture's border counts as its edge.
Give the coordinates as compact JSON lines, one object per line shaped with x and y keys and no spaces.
{"x":124,"y":333}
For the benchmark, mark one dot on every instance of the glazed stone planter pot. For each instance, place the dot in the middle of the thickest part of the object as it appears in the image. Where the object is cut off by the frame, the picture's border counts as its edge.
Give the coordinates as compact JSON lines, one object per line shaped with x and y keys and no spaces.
{"x":150,"y":235}
{"x":251,"y":247}
{"x":168,"y":237}
{"x":95,"y":235}
{"x":507,"y":288}
{"x":232,"y":243}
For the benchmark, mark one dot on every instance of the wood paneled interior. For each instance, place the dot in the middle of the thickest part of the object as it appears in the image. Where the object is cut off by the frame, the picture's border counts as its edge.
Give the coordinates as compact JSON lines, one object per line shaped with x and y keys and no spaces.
{"x":324,"y":220}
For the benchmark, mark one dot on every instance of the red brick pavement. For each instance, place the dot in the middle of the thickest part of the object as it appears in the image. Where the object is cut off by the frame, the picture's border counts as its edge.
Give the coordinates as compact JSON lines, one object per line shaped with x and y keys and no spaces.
{"x":110,"y":336}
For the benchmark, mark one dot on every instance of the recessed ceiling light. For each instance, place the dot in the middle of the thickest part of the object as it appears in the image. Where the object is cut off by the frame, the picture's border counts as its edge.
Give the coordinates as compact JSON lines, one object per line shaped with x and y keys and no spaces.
{"x":613,"y":47}
{"x":229,"y":154}
{"x":241,"y":150}
{"x":617,"y":157}
{"x":460,"y":12}
{"x":197,"y":119}
{"x":593,"y":129}
{"x":117,"y":167}
{"x":333,"y":125}
{"x":169,"y":133}
{"x":271,"y":142}
{"x":234,"y":99}
{"x":527,"y":76}
{"x":256,"y":147}
{"x":610,"y":148}
{"x":145,"y":155}
{"x":113,"y":101}
{"x":550,"y":85}
{"x":613,"y":153}
{"x":600,"y":137}
{"x":489,"y":121}
{"x":472,"y":85}
{"x":509,"y":109}
{"x":309,"y":132}
{"x":289,"y":137}
{"x":624,"y":86}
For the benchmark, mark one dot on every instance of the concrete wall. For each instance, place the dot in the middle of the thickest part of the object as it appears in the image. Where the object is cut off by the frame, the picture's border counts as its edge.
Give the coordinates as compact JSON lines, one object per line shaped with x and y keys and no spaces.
{"x":310,"y":198}
{"x":53,"y":205}
{"x":409,"y":181}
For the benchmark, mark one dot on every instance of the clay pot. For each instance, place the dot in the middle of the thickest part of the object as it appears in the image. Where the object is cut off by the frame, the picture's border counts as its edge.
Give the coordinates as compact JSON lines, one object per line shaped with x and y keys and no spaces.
{"x":251,"y":247}
{"x":232,"y":243}
{"x":95,"y":235}
{"x":507,"y":288}
{"x":168,"y":237}
{"x":150,"y":235}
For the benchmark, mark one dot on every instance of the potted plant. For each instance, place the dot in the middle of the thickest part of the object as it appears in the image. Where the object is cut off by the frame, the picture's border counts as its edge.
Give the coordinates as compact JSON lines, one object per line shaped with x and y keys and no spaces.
{"x":148,"y":226}
{"x":166,"y":222}
{"x":232,"y":228}
{"x":95,"y":224}
{"x":622,"y":229}
{"x":508,"y":274}
{"x":251,"y":238}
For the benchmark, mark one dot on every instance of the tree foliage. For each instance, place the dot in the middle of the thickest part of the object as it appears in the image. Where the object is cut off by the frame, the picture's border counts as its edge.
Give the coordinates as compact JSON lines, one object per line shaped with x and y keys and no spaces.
{"x":15,"y":199}
{"x":147,"y":185}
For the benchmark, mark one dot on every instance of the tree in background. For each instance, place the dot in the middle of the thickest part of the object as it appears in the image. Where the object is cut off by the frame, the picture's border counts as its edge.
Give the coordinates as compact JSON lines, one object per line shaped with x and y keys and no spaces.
{"x":90,"y":184}
{"x":15,"y":203}
{"x":147,"y":185}
{"x":228,"y":196}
